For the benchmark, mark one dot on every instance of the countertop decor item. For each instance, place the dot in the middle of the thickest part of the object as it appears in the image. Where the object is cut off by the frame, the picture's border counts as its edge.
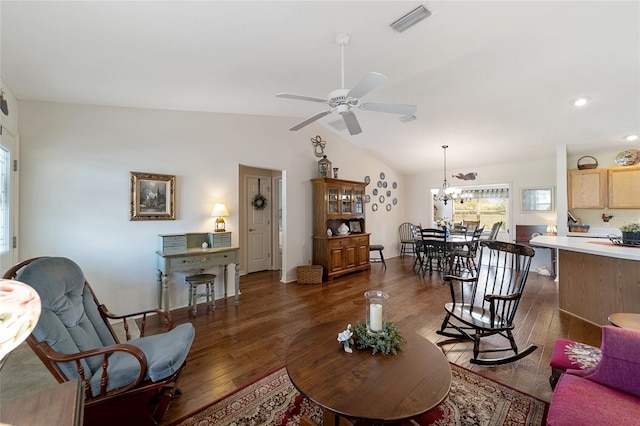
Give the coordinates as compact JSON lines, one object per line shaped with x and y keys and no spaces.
{"x":582,"y":165}
{"x":630,"y":157}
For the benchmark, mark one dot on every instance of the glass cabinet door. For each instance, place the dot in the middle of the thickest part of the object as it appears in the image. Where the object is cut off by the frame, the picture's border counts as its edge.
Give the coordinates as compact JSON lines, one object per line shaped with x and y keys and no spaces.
{"x":332,"y":202}
{"x":357,"y":201}
{"x":346,"y":200}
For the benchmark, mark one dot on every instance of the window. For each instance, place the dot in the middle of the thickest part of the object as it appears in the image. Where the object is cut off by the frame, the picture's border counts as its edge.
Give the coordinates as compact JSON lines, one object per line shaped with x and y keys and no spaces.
{"x":488,"y":205}
{"x":4,"y":200}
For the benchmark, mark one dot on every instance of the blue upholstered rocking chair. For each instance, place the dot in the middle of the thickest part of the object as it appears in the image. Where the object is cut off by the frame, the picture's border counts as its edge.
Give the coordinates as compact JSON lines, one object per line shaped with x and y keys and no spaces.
{"x":124,"y":383}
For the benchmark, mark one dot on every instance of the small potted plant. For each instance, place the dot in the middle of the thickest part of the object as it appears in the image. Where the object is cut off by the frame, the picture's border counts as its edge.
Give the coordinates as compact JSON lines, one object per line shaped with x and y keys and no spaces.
{"x":631,"y":231}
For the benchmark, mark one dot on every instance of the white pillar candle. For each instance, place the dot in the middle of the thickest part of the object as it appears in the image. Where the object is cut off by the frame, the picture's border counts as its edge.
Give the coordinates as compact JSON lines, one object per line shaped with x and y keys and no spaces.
{"x":375,"y":317}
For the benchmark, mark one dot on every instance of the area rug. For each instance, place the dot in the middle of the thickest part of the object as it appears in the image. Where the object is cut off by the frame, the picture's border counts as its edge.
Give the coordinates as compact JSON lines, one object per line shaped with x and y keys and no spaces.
{"x":273,"y":400}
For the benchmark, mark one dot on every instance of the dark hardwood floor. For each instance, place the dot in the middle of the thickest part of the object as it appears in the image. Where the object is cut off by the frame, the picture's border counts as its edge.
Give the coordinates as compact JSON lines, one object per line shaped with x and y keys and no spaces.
{"x":236,"y":345}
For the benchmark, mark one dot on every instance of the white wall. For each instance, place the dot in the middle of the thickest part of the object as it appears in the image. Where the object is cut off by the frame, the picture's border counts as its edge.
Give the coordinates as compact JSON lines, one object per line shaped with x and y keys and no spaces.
{"x":74,"y":187}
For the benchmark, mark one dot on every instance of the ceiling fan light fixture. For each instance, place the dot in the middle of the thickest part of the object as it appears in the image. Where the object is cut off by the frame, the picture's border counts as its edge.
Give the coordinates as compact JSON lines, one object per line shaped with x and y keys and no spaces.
{"x":410,"y":19}
{"x":407,"y":118}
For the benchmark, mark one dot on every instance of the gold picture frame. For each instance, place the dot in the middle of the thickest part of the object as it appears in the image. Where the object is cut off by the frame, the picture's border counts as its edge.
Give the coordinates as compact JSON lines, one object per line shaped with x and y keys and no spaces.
{"x":153,"y":196}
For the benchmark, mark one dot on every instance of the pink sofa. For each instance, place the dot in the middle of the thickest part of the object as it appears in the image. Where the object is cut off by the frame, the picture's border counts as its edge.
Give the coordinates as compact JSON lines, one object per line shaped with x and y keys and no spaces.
{"x":607,"y":394}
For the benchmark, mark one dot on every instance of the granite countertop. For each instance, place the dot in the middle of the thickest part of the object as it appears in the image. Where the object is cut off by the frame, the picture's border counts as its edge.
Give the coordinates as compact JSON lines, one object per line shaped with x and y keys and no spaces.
{"x":597,"y":246}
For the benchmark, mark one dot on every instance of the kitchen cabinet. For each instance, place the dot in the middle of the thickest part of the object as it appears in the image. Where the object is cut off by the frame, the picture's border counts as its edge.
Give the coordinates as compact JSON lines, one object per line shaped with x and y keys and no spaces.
{"x":587,"y":189}
{"x":613,"y":188}
{"x":624,"y":187}
{"x":337,"y":202}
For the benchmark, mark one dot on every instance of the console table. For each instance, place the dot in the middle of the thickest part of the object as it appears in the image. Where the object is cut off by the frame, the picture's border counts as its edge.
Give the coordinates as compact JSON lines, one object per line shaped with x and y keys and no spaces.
{"x":185,"y":252}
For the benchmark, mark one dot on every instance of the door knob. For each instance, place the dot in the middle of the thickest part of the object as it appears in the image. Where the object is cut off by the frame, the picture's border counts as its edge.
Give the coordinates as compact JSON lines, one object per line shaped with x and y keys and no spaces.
{"x":251,"y":229}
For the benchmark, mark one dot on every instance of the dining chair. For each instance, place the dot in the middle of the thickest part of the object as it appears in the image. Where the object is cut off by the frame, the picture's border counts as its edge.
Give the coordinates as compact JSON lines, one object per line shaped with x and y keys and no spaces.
{"x":495,"y":228}
{"x":485,"y":304}
{"x":459,"y":229}
{"x":465,"y":255}
{"x":432,"y":247}
{"x":407,"y":233}
{"x":471,"y":225}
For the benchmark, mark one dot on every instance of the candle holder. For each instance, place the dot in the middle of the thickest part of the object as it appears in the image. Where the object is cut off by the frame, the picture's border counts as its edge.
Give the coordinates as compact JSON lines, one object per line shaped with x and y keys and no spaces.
{"x":376,"y":311}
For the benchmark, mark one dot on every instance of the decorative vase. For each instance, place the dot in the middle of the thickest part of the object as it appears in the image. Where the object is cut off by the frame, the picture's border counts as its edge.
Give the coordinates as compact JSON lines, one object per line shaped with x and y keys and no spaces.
{"x":376,"y":311}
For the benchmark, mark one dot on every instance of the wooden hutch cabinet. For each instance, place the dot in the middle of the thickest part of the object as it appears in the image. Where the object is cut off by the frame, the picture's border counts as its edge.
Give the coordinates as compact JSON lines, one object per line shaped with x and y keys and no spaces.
{"x":337,"y":202}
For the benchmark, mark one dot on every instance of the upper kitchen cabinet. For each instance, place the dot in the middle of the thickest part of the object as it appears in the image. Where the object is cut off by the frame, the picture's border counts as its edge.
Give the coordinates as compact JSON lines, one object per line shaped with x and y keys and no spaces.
{"x":624,"y":187}
{"x":587,"y":189}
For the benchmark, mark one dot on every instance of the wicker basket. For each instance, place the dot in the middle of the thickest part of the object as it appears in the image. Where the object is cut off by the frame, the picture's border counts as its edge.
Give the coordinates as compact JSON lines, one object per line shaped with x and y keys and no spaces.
{"x":585,"y":166}
{"x":578,"y":228}
{"x":310,"y":274}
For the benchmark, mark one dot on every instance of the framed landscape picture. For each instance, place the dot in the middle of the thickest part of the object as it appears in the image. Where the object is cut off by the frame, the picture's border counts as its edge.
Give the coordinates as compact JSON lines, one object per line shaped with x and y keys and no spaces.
{"x":153,"y":196}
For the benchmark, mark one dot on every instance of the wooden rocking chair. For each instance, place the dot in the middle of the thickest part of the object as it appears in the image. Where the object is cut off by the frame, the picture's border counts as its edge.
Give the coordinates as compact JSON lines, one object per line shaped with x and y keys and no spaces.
{"x":124,"y":383}
{"x":485,"y":304}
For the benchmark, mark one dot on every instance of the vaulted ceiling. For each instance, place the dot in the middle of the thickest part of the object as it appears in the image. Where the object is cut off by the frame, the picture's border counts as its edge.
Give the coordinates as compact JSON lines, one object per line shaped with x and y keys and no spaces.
{"x":493,"y":80}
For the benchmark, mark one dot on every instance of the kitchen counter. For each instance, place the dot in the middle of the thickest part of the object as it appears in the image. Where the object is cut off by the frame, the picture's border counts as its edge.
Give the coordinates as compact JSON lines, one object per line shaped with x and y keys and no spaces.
{"x":597,"y":246}
{"x":596,"y":278}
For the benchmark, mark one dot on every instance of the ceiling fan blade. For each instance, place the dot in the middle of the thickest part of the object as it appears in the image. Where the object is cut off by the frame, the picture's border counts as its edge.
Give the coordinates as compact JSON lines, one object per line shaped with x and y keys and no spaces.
{"x":300,"y":97}
{"x":311,"y":120}
{"x":392,"y":108}
{"x":352,"y":123}
{"x":338,"y":124}
{"x":367,"y":84}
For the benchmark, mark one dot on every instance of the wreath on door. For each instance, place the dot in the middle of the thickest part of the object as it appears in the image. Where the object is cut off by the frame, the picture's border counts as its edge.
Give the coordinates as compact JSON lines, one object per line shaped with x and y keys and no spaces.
{"x":259,"y":201}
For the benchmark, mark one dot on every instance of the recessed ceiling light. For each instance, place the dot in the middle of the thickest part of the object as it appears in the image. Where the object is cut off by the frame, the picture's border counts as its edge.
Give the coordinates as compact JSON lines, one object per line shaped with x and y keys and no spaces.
{"x":631,"y":138}
{"x":581,"y":101}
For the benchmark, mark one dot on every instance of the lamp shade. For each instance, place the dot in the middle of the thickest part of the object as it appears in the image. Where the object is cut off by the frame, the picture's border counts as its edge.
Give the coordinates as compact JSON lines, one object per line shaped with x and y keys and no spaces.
{"x":19,"y":313}
{"x":219,"y":210}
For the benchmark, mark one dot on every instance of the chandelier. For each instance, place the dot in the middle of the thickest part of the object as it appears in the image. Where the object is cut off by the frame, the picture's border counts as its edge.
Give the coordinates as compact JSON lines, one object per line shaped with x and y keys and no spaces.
{"x":446,"y":193}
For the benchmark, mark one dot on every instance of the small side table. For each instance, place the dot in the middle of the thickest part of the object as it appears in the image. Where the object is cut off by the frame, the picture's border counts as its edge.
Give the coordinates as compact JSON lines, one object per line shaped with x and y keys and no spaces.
{"x":625,"y":320}
{"x":61,"y":404}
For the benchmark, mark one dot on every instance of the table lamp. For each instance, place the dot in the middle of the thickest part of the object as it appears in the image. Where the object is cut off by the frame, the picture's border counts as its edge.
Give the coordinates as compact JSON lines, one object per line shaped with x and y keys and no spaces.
{"x":19,"y":313}
{"x":219,"y":211}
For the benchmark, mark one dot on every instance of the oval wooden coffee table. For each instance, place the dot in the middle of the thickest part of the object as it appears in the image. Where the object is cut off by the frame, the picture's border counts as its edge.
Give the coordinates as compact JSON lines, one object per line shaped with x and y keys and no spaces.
{"x":359,"y":385}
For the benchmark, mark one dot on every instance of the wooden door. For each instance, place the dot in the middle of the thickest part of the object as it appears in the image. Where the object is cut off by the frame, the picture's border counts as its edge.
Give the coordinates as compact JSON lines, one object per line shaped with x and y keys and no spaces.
{"x":258,"y":225}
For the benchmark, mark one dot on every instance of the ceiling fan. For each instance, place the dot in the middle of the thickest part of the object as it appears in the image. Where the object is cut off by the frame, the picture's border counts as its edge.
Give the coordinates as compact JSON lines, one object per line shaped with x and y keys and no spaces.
{"x":342,"y":100}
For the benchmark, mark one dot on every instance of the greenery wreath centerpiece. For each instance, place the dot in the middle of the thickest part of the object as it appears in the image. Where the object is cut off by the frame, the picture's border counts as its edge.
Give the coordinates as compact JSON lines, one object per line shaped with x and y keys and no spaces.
{"x":387,"y":342}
